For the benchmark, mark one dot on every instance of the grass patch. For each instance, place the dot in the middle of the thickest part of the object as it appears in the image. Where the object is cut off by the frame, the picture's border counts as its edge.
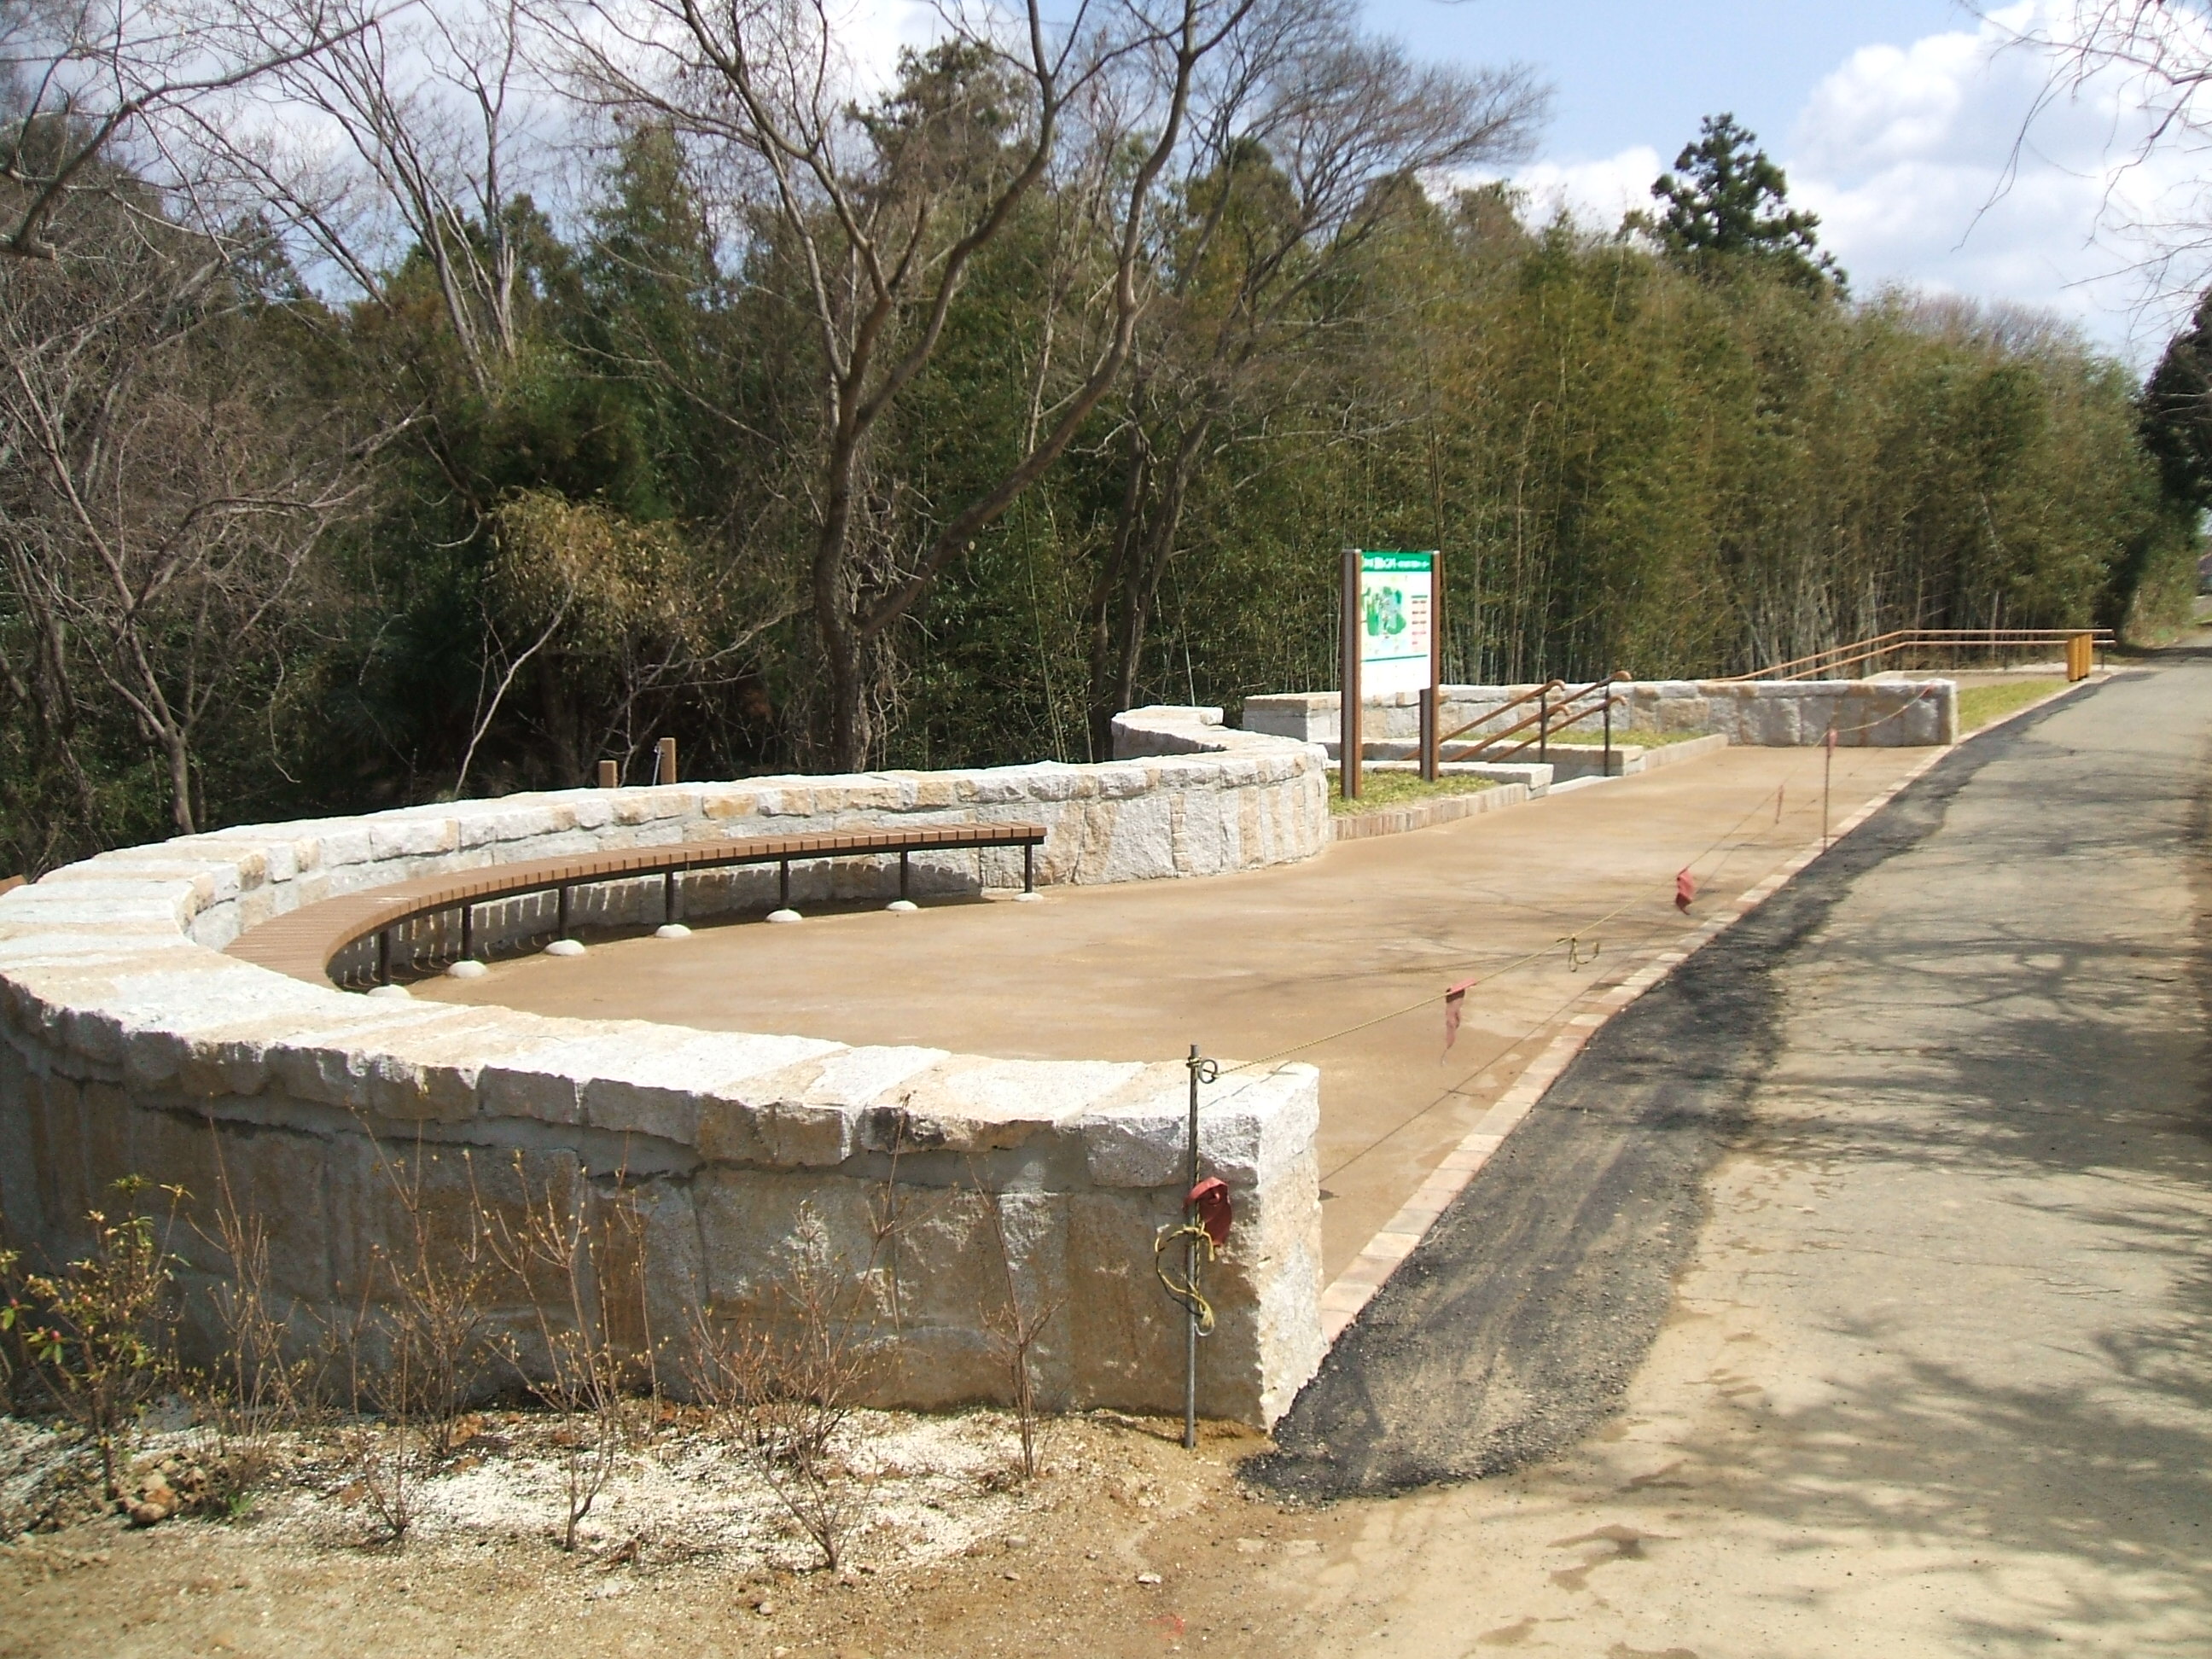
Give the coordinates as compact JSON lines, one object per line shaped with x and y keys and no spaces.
{"x":1980,"y":704}
{"x":1581,"y":737}
{"x":1380,"y":789}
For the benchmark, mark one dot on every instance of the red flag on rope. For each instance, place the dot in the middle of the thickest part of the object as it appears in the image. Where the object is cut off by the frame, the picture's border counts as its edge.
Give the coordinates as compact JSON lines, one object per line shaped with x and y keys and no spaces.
{"x":1454,"y":998}
{"x":1685,"y":888}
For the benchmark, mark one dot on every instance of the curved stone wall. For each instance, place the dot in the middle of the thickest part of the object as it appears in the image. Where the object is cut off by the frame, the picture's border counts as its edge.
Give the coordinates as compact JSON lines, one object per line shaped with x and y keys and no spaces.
{"x":129,"y":1044}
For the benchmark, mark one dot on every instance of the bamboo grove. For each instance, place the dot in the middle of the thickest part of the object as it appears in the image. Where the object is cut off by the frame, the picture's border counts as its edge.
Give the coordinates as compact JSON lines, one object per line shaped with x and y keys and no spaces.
{"x":919,"y":422}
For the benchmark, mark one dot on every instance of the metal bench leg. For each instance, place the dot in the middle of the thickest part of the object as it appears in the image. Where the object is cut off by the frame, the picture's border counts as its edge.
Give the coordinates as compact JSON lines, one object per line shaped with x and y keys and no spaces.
{"x":903,"y":872}
{"x":383,"y":957}
{"x":561,"y":929}
{"x":783,"y":885}
{"x":668,"y":898}
{"x":469,"y":932}
{"x":1028,"y":867}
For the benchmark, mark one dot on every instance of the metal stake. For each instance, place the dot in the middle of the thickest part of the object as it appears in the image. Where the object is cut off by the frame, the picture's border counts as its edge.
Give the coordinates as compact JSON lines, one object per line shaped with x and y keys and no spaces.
{"x":1827,"y":783}
{"x":1605,"y":767}
{"x":1190,"y":1272}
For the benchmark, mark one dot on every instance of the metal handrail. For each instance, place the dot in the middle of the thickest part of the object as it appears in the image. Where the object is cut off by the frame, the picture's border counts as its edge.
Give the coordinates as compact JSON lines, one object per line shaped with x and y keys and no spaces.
{"x":1904,"y":639}
{"x":1548,"y":718}
{"x":1530,"y":695}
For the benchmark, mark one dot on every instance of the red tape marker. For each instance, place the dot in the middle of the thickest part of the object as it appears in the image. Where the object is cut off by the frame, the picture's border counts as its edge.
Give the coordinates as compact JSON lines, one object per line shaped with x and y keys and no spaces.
{"x":1455,"y":999}
{"x":1685,"y":888}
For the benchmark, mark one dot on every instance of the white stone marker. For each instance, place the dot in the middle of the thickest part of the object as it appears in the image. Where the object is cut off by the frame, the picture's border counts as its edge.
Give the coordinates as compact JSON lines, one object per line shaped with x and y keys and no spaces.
{"x":467,"y":968}
{"x":672,"y":929}
{"x":903,"y":906}
{"x":565,"y":947}
{"x":783,"y":916}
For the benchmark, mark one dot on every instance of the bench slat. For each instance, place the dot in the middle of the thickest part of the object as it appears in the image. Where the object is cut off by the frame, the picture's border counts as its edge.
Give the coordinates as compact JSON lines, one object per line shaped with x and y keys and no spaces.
{"x":303,"y":943}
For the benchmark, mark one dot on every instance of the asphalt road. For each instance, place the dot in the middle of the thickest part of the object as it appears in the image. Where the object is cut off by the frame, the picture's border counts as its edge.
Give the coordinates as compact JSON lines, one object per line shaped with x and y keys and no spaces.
{"x":1853,"y":1291}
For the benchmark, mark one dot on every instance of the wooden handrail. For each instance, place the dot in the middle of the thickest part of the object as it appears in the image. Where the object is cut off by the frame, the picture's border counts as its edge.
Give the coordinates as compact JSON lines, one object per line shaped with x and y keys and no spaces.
{"x":1548,"y":721}
{"x":1904,"y":639}
{"x":1529,"y":695}
{"x":303,"y":943}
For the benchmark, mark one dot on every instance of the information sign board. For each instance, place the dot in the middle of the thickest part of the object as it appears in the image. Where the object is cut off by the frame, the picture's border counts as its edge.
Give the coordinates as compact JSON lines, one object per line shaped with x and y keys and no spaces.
{"x":1397,"y":608}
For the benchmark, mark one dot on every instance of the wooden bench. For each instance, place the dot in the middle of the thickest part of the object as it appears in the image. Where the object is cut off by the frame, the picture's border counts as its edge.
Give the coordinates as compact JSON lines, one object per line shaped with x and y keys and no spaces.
{"x":303,"y":943}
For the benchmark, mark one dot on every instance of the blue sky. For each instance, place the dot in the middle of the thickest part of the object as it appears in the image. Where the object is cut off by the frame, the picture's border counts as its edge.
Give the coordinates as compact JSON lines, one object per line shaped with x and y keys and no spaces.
{"x":1628,"y":72}
{"x":1894,"y":118}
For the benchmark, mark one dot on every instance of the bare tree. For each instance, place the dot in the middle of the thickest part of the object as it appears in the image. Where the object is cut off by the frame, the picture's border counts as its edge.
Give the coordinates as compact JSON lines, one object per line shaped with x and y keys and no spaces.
{"x":1317,"y":139}
{"x":1016,"y":1320}
{"x":580,"y":1262}
{"x":783,"y":1384}
{"x":160,"y":495}
{"x":2157,"y":55}
{"x":78,"y":79}
{"x":883,"y":209}
{"x":406,"y":136}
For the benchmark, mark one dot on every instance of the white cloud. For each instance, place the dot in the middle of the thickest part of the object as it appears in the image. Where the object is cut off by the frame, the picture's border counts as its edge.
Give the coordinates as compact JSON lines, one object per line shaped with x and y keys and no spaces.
{"x":1595,"y":192}
{"x":1916,"y":159}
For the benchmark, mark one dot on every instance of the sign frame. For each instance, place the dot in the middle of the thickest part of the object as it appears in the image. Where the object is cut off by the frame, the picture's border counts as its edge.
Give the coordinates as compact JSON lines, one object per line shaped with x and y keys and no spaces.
{"x":1369,"y":605}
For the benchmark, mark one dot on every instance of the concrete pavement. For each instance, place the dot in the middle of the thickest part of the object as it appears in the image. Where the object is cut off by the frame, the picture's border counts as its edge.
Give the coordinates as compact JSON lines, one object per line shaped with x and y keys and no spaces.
{"x":1362,"y":941}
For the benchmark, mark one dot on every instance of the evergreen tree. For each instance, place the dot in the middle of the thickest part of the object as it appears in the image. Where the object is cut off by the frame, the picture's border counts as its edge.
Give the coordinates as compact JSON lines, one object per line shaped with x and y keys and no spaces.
{"x":2176,"y":413}
{"x":1729,"y":201}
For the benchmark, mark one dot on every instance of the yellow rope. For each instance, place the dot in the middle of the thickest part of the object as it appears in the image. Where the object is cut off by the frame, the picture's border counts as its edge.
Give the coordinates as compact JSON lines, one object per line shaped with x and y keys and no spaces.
{"x":1187,"y":1294}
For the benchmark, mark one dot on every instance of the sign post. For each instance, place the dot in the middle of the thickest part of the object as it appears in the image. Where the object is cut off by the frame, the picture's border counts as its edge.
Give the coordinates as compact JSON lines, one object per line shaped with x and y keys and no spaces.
{"x":1433,"y":693}
{"x":1348,"y":746}
{"x":1392,"y":642}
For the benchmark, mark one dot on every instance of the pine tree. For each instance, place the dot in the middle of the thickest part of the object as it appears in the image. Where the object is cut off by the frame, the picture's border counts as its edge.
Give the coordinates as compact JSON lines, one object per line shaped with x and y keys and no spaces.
{"x":1731,"y":202}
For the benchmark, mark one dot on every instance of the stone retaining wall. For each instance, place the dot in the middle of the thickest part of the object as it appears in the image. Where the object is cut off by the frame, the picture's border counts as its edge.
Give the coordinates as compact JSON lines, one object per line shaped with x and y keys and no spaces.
{"x":128,"y":1044}
{"x":1786,"y":714}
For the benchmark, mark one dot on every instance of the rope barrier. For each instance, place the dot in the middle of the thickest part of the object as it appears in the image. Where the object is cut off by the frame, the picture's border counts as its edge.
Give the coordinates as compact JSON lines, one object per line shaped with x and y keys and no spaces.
{"x":1572,"y":940}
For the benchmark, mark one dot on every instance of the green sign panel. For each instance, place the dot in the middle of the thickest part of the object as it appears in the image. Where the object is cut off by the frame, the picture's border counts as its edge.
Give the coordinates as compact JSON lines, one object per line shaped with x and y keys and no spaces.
{"x":1397,"y":607}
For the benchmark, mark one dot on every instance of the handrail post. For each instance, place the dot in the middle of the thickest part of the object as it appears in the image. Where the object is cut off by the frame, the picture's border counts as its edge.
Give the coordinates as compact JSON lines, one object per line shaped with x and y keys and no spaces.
{"x":1544,"y":726}
{"x":1605,"y":766}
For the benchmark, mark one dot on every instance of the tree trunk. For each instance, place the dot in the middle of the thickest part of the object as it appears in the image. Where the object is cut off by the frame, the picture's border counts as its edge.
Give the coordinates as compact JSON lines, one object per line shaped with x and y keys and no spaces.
{"x":178,"y":755}
{"x":1128,"y":590}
